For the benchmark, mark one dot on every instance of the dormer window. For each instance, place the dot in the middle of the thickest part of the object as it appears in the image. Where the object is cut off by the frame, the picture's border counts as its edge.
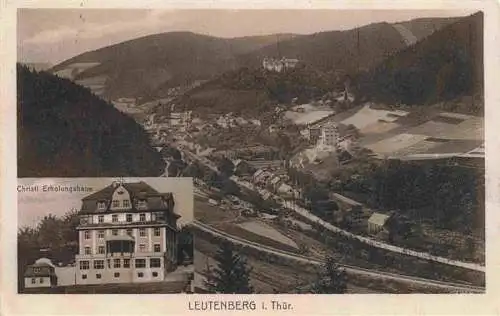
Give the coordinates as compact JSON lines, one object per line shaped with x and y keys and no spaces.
{"x":116,"y":203}
{"x":36,"y":270}
{"x":101,"y":205}
{"x":126,"y":203}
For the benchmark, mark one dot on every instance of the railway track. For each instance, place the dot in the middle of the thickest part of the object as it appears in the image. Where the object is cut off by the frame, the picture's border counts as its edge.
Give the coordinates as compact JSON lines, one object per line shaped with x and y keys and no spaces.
{"x":454,"y":287}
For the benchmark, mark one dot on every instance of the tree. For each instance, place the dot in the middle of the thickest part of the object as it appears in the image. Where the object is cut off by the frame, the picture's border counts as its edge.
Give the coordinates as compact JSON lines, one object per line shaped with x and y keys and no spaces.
{"x":331,"y":279}
{"x":225,"y":166}
{"x":231,"y":276}
{"x":185,"y":244}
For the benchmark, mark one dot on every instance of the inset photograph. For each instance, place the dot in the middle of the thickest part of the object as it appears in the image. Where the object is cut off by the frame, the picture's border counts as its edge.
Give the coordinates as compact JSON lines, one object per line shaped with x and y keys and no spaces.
{"x":105,"y":235}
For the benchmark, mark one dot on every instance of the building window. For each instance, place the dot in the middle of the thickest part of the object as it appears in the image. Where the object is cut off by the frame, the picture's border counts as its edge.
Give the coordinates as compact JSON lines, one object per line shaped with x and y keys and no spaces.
{"x":155,"y":274}
{"x":100,"y":234}
{"x":117,"y":274}
{"x":98,"y":264}
{"x":41,"y":280}
{"x":129,"y":231}
{"x":129,"y":218}
{"x":126,"y":263}
{"x":86,"y":234}
{"x":142,"y":217}
{"x":114,"y":232}
{"x":116,"y":263}
{"x":126,"y":203}
{"x":157,"y":231}
{"x":88,"y":251}
{"x":36,"y":270}
{"x":101,"y":205}
{"x":116,"y":203}
{"x":84,"y":276}
{"x":84,"y":265}
{"x":142,"y":248}
{"x":100,"y":218}
{"x":140,"y":263}
{"x":140,"y":274}
{"x":157,"y":248}
{"x":155,"y":263}
{"x":33,"y":280}
{"x":114,"y":218}
{"x":98,"y":276}
{"x":101,"y":250}
{"x":142,"y":232}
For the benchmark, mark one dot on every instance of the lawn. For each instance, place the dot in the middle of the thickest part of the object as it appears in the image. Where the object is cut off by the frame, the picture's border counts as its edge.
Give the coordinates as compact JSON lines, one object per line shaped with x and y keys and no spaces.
{"x":237,"y":231}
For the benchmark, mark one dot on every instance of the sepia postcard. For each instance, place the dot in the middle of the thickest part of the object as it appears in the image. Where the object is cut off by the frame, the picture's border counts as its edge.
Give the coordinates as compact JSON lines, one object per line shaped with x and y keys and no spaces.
{"x":304,"y":158}
{"x":99,"y":235}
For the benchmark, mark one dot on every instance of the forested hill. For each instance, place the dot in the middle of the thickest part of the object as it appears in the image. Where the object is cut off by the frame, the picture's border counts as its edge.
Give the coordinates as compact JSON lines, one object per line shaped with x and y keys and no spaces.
{"x":446,"y":65}
{"x":66,"y":131}
{"x":146,"y":65}
{"x":348,"y":50}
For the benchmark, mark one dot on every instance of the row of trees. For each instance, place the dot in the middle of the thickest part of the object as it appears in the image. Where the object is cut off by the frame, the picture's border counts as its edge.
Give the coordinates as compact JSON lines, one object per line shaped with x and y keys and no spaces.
{"x":232,"y":275}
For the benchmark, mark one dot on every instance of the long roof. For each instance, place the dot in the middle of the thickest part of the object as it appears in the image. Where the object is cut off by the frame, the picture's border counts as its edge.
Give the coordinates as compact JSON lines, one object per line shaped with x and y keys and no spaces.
{"x":138,"y":191}
{"x":135,"y":189}
{"x":345,"y":199}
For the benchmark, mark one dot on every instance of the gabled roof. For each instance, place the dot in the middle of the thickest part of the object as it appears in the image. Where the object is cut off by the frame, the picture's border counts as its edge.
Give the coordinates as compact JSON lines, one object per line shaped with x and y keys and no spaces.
{"x":138,"y":191}
{"x":378,"y":219}
{"x":39,"y":270}
{"x":135,"y":189}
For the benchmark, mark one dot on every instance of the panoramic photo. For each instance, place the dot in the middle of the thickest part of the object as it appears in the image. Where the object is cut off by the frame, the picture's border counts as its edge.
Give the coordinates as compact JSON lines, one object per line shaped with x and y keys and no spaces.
{"x":104,"y":235}
{"x":330,"y":151}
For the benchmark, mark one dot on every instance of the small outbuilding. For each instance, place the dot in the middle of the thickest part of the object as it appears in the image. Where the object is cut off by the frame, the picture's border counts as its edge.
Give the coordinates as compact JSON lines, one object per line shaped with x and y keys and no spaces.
{"x":377,"y":223}
{"x":40,"y":274}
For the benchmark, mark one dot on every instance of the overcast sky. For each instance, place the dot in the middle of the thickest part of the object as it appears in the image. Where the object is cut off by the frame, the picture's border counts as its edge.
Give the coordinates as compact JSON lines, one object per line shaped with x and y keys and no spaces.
{"x":53,"y":35}
{"x":33,"y":206}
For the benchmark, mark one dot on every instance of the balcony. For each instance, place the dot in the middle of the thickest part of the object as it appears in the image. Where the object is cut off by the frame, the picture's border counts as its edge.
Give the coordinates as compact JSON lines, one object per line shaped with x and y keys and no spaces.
{"x":89,"y":222}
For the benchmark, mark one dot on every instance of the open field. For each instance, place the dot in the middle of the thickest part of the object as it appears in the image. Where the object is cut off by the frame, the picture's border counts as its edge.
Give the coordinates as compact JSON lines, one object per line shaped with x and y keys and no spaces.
{"x":73,"y":69}
{"x":367,"y":116}
{"x":403,"y":134}
{"x":207,"y":213}
{"x":396,"y":143}
{"x":235,"y":230}
{"x":267,"y":231}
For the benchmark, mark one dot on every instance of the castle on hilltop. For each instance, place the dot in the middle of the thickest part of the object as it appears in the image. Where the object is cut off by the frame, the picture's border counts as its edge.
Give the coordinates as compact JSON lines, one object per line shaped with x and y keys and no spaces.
{"x":279,"y":65}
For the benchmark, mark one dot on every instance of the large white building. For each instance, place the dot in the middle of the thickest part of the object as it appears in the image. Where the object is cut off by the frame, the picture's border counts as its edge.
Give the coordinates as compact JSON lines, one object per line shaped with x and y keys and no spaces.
{"x":279,"y":65}
{"x":329,"y":135}
{"x":127,"y":233}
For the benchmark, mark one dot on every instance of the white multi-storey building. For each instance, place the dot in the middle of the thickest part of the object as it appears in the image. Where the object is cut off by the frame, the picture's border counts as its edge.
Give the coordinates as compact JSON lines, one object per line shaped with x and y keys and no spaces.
{"x":329,"y":135}
{"x":278,"y":65}
{"x":127,"y":233}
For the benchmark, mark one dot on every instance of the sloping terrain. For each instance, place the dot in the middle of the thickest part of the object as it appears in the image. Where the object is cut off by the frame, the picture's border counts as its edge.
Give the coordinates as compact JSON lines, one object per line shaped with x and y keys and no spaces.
{"x":149,"y":66}
{"x":140,"y":66}
{"x":66,"y":131}
{"x":443,"y":67}
{"x":336,"y":50}
{"x":423,"y":27}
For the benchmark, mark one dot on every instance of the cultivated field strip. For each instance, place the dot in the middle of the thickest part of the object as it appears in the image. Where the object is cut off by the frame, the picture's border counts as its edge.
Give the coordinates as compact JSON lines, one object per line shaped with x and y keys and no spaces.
{"x":348,"y":268}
